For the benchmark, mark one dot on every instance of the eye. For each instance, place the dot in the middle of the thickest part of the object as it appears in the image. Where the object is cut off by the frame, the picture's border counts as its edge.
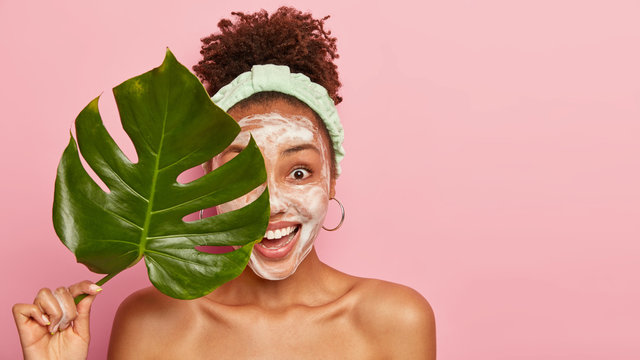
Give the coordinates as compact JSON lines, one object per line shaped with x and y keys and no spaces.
{"x":300,"y":174}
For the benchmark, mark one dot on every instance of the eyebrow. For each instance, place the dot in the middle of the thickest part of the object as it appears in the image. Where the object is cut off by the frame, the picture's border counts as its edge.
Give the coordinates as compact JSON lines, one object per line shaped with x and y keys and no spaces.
{"x":295,"y":149}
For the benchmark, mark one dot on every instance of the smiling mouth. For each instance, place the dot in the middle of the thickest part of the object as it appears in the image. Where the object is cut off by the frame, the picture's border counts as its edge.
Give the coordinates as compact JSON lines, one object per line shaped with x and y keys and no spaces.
{"x":279,"y":238}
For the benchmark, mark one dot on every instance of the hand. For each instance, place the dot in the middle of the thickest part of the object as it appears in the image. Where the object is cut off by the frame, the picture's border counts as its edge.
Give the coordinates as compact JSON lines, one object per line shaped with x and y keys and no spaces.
{"x":53,"y":327}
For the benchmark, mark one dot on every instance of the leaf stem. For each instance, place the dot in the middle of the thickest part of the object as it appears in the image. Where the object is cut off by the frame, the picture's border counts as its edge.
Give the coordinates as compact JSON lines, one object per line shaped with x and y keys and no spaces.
{"x":100,"y":282}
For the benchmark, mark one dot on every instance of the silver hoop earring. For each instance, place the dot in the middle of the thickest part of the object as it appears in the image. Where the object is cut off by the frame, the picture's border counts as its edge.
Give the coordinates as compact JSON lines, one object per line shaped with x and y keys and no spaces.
{"x":201,"y":213}
{"x":341,"y":219}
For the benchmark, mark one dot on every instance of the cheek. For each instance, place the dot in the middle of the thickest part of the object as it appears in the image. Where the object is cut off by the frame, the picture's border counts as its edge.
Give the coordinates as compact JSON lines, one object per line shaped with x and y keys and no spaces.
{"x":311,"y":203}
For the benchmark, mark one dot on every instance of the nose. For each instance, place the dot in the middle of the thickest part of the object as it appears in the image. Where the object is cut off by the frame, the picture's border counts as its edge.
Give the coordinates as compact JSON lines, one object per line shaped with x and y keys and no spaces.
{"x":277,"y":199}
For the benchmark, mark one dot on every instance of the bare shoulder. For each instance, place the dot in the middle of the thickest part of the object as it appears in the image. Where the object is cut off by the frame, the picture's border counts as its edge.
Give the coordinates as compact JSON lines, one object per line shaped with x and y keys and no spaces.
{"x":396,"y":316}
{"x":383,"y":301}
{"x":143,"y":321}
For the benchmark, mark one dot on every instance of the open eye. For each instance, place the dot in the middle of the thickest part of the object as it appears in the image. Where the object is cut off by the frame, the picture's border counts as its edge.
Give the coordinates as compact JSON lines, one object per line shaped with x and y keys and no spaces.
{"x":299,"y":174}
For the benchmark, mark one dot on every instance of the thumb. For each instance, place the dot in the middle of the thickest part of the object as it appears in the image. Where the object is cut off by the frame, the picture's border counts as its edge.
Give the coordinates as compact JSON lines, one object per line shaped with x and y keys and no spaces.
{"x":81,"y":323}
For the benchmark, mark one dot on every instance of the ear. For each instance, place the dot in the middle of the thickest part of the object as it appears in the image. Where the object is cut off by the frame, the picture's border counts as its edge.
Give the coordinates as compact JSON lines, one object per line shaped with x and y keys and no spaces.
{"x":332,"y":188}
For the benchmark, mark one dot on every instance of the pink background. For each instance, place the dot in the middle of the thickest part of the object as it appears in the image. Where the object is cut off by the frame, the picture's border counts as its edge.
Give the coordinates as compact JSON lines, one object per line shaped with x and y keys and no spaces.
{"x":492,"y":157}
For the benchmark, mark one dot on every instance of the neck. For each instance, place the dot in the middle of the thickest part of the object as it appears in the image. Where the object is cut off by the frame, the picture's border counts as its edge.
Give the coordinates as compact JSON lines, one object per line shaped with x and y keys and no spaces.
{"x":309,"y":285}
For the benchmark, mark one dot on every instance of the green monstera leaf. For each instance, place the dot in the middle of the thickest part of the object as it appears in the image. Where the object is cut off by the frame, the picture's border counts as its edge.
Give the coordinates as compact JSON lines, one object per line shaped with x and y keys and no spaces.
{"x":174,"y":126}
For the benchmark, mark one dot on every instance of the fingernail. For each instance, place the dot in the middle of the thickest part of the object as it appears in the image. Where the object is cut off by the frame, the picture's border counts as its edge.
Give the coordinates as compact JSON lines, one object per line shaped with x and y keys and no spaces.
{"x":46,"y":319}
{"x":94,"y":287}
{"x":55,"y":328}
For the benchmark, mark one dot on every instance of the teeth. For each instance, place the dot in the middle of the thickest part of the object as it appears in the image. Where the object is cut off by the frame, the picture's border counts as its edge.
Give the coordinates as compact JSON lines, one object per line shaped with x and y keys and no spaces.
{"x":278,"y":246}
{"x":279,"y":233}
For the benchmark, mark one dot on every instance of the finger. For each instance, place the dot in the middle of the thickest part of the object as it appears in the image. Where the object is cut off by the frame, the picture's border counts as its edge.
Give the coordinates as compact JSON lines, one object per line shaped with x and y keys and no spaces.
{"x":69,"y":311}
{"x":48,"y":304}
{"x":22,"y":313}
{"x":84,"y":287}
{"x":81,"y":323}
{"x":31,"y":323}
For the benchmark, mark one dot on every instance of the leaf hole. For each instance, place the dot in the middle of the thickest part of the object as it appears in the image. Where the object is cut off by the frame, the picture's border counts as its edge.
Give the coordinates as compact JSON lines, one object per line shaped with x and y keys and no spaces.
{"x":191,"y":174}
{"x":196,"y":215}
{"x":111,"y":120}
{"x":92,"y":173}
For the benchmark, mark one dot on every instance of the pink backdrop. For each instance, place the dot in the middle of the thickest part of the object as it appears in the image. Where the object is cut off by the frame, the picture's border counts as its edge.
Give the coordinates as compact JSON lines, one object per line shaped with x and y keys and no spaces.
{"x":492,"y":157}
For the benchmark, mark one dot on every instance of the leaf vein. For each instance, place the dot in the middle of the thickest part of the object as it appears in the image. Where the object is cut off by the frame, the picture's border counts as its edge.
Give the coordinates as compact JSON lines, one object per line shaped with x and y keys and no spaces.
{"x":173,"y":257}
{"x":154,"y":180}
{"x":118,"y":241}
{"x":159,"y":211}
{"x":169,"y":236}
{"x":177,"y":161}
{"x":129,"y":187}
{"x":122,"y":218}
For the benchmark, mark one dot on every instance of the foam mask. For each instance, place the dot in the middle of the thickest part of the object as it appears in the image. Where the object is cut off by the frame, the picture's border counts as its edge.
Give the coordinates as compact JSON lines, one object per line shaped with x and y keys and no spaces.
{"x":299,"y":197}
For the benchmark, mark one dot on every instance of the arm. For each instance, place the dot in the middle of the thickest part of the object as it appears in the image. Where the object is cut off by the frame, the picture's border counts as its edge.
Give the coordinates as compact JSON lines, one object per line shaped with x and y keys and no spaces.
{"x":400,"y":320}
{"x":149,"y":325}
{"x":134,"y":327}
{"x":415,"y":329}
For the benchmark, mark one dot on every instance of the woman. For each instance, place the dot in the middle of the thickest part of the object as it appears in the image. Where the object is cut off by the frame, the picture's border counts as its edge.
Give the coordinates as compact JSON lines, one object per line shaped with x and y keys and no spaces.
{"x":275,"y":76}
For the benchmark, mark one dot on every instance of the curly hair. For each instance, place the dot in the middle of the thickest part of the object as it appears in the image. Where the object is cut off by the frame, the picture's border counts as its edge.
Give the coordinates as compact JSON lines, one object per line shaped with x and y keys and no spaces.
{"x":286,"y":37}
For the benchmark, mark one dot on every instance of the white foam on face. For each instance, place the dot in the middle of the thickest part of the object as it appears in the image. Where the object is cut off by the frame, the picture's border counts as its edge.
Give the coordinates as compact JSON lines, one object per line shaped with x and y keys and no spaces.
{"x":303,"y":203}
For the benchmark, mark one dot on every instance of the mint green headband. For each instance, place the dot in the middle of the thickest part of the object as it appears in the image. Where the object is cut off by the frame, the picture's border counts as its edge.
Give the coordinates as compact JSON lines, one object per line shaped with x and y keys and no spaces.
{"x":270,"y":77}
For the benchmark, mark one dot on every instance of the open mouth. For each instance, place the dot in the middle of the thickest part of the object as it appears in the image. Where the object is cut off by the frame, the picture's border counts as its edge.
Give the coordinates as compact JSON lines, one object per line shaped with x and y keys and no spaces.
{"x":277,"y":243}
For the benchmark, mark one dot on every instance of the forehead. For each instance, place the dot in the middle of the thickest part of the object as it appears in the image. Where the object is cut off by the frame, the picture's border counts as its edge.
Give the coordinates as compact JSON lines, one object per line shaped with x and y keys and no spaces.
{"x":283,"y":128}
{"x":277,"y":122}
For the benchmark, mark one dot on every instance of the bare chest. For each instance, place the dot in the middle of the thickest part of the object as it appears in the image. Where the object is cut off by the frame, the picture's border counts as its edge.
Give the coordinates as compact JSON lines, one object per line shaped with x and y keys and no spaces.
{"x":299,"y":335}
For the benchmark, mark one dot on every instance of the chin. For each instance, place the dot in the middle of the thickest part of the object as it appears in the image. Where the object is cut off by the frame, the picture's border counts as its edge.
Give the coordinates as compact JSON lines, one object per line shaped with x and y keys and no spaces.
{"x":268,"y":274}
{"x":282,"y":268}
